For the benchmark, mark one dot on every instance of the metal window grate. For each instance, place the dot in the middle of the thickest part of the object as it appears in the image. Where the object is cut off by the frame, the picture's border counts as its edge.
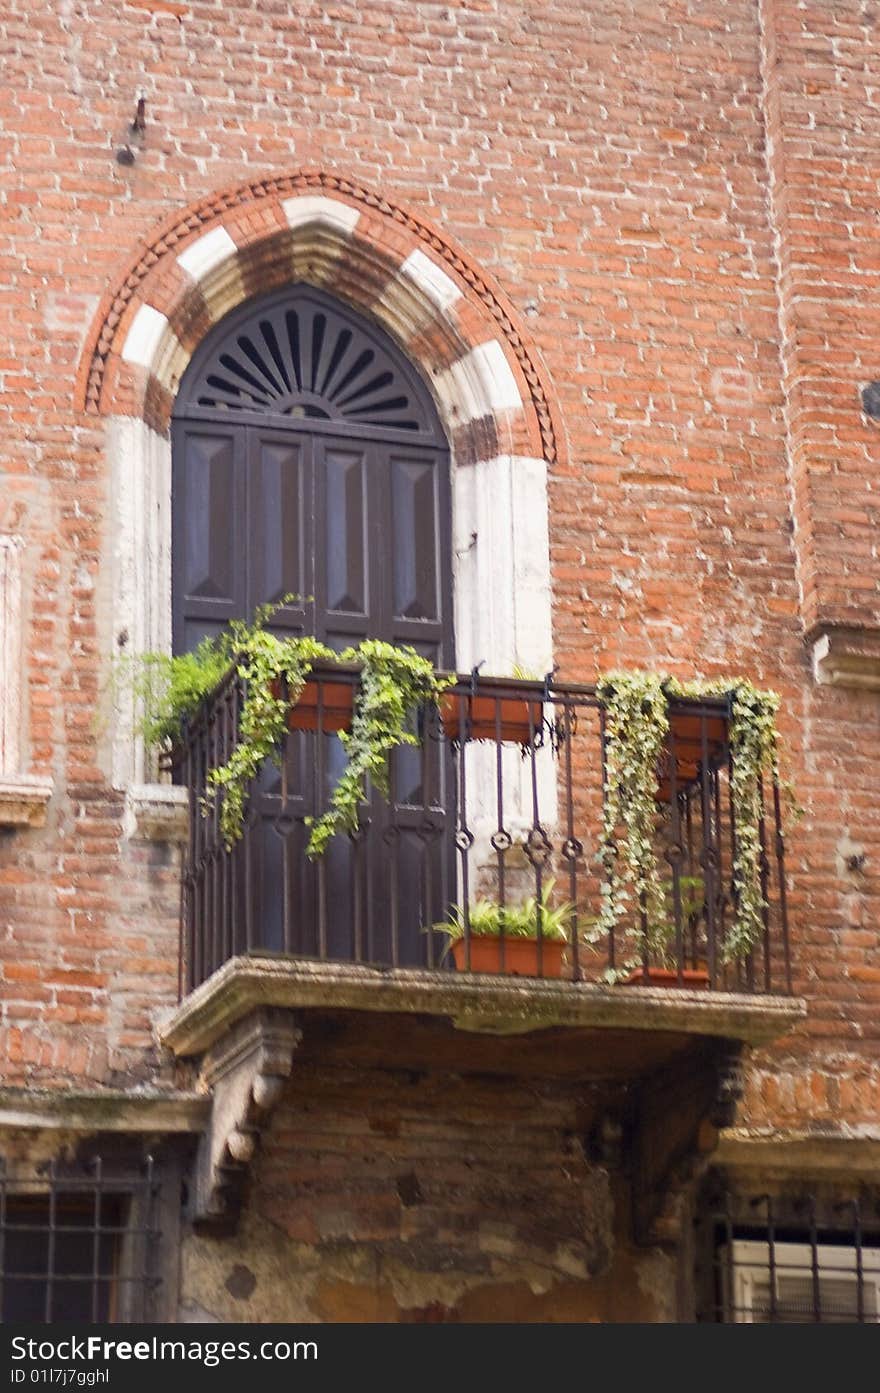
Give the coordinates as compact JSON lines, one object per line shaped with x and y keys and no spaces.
{"x":783,"y":1259}
{"x":78,"y":1242}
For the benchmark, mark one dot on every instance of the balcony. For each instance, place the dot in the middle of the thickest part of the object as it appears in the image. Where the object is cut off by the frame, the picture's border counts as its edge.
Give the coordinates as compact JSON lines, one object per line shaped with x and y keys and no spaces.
{"x":498,"y":809}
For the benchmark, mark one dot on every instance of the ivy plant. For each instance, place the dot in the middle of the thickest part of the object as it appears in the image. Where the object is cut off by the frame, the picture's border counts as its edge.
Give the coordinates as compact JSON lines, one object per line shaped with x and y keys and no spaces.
{"x":394,"y":681}
{"x":274,"y":670}
{"x":636,"y":727}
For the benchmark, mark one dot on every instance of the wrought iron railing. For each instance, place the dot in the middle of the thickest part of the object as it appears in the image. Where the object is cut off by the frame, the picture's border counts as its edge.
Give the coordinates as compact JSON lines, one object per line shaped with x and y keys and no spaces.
{"x":501,"y":800}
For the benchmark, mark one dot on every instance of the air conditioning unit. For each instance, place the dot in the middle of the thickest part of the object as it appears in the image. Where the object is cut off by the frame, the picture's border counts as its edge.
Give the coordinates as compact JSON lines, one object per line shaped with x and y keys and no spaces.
{"x":803,"y":1285}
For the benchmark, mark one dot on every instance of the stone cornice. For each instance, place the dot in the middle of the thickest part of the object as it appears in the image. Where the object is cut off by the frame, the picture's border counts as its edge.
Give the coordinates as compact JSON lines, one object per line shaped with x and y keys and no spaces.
{"x":24,"y":800}
{"x":102,"y":1110}
{"x":851,"y":1152}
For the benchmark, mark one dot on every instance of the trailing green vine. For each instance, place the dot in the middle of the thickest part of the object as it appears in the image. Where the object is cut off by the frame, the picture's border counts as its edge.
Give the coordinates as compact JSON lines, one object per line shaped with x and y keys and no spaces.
{"x":274,"y":670}
{"x":637,"y":725}
{"x":394,"y":681}
{"x":268,"y":665}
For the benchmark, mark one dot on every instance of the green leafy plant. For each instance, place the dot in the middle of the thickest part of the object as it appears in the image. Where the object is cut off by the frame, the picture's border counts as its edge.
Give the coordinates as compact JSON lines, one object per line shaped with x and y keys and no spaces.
{"x":393,"y":681}
{"x":692,"y":896}
{"x":487,"y":918}
{"x":636,"y":727}
{"x":267,"y":664}
{"x":168,"y":690}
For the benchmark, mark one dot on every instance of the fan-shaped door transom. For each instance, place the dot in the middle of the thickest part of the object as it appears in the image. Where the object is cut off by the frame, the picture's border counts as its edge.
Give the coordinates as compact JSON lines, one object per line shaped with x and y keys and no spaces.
{"x":298,"y":354}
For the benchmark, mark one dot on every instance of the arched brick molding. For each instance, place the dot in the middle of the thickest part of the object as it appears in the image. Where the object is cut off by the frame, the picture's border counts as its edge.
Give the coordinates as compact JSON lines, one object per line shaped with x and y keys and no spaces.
{"x":370,"y":250}
{"x":428,"y":294}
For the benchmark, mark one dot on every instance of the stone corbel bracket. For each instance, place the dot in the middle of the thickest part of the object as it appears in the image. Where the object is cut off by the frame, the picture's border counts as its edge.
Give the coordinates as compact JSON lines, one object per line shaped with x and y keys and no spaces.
{"x":245,"y":1073}
{"x":157,"y":812}
{"x":24,"y":800}
{"x":679,"y":1111}
{"x":846,"y":657}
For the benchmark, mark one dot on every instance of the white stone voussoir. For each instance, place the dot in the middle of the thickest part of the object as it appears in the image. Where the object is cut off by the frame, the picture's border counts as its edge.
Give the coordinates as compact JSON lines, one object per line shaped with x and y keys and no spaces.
{"x":148,"y":329}
{"x":479,"y":384}
{"x":433,"y":282}
{"x":207,"y":253}
{"x":314,"y":208}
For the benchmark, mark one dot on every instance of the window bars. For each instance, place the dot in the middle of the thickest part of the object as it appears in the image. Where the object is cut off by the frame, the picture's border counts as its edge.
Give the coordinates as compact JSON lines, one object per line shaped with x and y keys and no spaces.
{"x":78,"y":1242}
{"x":789,"y":1260}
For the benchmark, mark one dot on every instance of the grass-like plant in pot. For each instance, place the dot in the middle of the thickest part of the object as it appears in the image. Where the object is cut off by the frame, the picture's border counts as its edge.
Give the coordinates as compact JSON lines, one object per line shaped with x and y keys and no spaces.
{"x":505,"y":938}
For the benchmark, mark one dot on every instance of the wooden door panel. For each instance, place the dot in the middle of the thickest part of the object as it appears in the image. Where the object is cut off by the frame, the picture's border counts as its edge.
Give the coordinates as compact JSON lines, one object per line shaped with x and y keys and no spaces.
{"x":280,"y":525}
{"x":414,"y":536}
{"x":343,"y":544}
{"x":208,"y":532}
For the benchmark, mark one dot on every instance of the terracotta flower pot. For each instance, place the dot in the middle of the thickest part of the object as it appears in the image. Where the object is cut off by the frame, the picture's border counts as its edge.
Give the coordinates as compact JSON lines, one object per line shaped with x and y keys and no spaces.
{"x":336,"y":699}
{"x":520,"y":717}
{"x":686,"y":739}
{"x":520,"y":956}
{"x":668,"y":977}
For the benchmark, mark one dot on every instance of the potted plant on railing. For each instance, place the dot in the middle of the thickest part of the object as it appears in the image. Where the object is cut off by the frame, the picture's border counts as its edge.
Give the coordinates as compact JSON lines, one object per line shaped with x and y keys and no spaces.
{"x":497,"y":709}
{"x":391,"y":682}
{"x":326,"y":701}
{"x":523,"y":940}
{"x":635,"y":898}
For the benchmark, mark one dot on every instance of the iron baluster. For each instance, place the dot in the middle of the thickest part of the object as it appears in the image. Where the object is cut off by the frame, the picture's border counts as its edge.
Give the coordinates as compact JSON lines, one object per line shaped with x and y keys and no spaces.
{"x":814,"y":1261}
{"x":96,"y":1240}
{"x":674,"y":855}
{"x":50,"y":1246}
{"x":426,"y":884}
{"x":571,"y":848}
{"x":707,"y":855}
{"x":729,"y":1258}
{"x":464,"y":839}
{"x":607,"y":851}
{"x":771,"y":1241}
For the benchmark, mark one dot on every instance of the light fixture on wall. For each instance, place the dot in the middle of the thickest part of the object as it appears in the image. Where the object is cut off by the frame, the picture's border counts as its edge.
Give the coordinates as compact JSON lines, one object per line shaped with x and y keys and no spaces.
{"x":871,"y":400}
{"x":127,"y":151}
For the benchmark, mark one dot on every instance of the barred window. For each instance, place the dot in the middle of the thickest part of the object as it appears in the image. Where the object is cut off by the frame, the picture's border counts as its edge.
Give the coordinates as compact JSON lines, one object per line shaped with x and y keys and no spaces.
{"x":79,"y":1243}
{"x":789,"y":1259}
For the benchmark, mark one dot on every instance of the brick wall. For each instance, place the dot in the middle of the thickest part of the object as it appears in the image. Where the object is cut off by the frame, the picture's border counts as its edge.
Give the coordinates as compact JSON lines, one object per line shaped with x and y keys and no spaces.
{"x":821,"y":65}
{"x":607,"y":167}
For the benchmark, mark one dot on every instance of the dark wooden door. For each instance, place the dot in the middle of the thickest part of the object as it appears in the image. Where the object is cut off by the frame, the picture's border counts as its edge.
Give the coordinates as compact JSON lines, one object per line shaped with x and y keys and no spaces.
{"x":308,"y":458}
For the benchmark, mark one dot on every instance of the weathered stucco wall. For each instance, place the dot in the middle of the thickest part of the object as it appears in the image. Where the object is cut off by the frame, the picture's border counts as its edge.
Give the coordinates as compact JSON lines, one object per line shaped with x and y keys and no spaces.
{"x":398,"y":1196}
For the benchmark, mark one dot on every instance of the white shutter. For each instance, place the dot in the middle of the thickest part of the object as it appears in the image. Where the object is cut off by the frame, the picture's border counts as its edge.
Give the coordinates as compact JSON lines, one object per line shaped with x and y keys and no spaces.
{"x":832,"y":1283}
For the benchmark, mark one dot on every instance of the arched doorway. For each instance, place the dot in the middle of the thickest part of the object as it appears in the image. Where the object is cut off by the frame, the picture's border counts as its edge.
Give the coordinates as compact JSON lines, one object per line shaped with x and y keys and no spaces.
{"x":308,"y":458}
